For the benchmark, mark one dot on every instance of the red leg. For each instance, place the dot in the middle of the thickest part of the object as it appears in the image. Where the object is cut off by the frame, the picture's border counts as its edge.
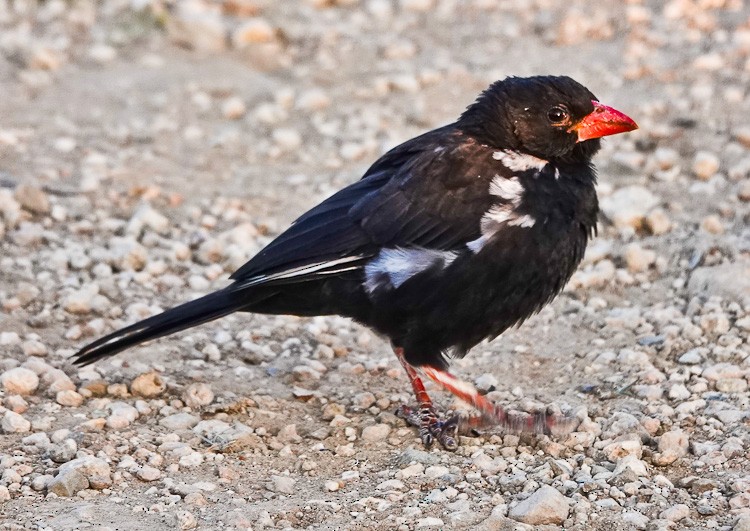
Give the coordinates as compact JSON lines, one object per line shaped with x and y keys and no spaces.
{"x":493,"y":414}
{"x":425,"y":418}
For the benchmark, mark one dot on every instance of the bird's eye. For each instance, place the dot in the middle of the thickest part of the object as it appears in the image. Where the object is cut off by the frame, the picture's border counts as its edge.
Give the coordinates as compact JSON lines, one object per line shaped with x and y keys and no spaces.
{"x":557,"y":115}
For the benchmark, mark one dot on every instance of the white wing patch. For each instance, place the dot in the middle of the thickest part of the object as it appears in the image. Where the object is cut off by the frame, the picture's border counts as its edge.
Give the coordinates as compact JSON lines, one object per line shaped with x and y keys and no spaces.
{"x":393,"y":267}
{"x":321,"y":268}
{"x":508,"y":189}
{"x":515,"y":161}
{"x":511,"y":191}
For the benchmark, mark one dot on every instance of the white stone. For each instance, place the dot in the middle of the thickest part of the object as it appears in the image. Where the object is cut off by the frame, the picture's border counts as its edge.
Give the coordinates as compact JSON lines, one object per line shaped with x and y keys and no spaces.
{"x":628,"y":206}
{"x":14,"y":423}
{"x":545,"y":506}
{"x":19,"y":381}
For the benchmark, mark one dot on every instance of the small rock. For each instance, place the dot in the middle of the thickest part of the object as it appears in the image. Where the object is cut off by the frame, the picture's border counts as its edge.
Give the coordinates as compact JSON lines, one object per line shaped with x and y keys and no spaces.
{"x":179,"y":421}
{"x":282,"y":484}
{"x":198,"y":395}
{"x":32,"y":199}
{"x":252,"y":31}
{"x":675,"y":513}
{"x":69,"y":398}
{"x":638,"y":259}
{"x":64,"y":451}
{"x":430,"y":521}
{"x":636,"y":519}
{"x":376,"y":433}
{"x":102,"y":53}
{"x":486,"y":382}
{"x":233,"y":108}
{"x":192,"y":459}
{"x":68,"y":483}
{"x":628,"y":206}
{"x":705,"y":165}
{"x":730,"y":281}
{"x":657,"y":223}
{"x":712,"y":224}
{"x":332,"y":486}
{"x":672,"y":445}
{"x":148,"y":385}
{"x":14,"y":423}
{"x":95,"y":470}
{"x":198,"y":25}
{"x":632,"y":463}
{"x":742,"y":523}
{"x":545,"y":506}
{"x":412,"y":455}
{"x":732,"y":385}
{"x":186,"y":520}
{"x":691,"y":357}
{"x":19,"y":381}
{"x":148,"y":473}
{"x":286,"y":138}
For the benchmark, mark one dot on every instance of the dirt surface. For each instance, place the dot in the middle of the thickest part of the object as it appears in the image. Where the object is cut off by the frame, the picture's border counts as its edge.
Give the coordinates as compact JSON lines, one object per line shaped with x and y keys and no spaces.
{"x":148,"y":149}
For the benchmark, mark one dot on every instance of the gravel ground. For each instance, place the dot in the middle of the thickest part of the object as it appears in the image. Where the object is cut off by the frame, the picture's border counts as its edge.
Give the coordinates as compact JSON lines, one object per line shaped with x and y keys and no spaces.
{"x":147,"y":149}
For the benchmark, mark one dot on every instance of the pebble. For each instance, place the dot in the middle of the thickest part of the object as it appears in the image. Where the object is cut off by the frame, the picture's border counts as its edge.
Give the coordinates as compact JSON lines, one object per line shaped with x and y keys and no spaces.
{"x":69,"y":398}
{"x":282,"y":484}
{"x":545,"y":506}
{"x":657,"y":222}
{"x":102,"y":53}
{"x":376,"y":433}
{"x":14,"y":423}
{"x":675,"y":513}
{"x":192,"y":459}
{"x":639,"y":259}
{"x":198,"y":25}
{"x":19,"y":381}
{"x":233,"y":108}
{"x":742,"y":523}
{"x":198,"y":395}
{"x":148,"y":473}
{"x":67,"y":484}
{"x":635,"y":519}
{"x":64,"y":451}
{"x":430,"y":521}
{"x":180,"y":421}
{"x":148,"y":385}
{"x":486,"y":382}
{"x":287,"y":139}
{"x":95,"y":470}
{"x":672,"y":446}
{"x":628,"y":206}
{"x":632,"y":463}
{"x":712,"y":224}
{"x":253,"y":31}
{"x":705,"y":165}
{"x":185,"y":520}
{"x":32,"y":199}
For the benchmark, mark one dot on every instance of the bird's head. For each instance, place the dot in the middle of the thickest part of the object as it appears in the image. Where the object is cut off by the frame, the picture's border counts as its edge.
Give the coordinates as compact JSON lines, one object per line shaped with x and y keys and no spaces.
{"x":546,"y":116}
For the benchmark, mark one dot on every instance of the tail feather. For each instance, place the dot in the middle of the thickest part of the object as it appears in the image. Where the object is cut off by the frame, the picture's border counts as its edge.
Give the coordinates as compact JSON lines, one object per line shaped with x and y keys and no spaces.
{"x":193,"y":313}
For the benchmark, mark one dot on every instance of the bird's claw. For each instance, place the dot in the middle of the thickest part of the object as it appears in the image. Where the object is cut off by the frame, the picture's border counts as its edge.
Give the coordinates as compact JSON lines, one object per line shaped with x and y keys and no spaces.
{"x":432,"y":427}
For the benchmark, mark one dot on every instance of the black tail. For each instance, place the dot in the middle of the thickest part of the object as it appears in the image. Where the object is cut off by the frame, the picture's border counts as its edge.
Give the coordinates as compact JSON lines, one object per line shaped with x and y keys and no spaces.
{"x":199,"y":311}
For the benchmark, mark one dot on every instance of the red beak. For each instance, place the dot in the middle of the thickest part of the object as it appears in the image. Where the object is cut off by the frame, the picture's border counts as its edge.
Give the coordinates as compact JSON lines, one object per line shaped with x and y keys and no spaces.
{"x":603,"y":121}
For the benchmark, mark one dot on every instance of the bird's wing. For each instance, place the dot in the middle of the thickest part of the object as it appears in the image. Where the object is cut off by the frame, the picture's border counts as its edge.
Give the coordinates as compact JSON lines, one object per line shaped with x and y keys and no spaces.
{"x":425,"y":193}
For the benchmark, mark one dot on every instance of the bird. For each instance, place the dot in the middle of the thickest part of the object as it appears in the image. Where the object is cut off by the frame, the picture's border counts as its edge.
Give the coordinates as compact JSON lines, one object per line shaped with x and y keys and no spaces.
{"x":447,"y":240}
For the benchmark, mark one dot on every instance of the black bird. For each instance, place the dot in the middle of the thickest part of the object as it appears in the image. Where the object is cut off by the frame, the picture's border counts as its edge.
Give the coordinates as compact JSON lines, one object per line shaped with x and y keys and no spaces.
{"x":447,"y":240}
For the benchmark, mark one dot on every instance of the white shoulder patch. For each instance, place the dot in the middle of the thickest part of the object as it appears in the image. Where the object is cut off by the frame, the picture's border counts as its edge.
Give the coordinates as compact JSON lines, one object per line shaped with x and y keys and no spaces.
{"x":393,"y":267}
{"x":515,"y":161}
{"x":508,"y":189}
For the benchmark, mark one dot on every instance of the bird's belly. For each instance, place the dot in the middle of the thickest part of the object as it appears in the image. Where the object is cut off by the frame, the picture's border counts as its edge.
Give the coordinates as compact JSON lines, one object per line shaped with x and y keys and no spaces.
{"x":481,"y":295}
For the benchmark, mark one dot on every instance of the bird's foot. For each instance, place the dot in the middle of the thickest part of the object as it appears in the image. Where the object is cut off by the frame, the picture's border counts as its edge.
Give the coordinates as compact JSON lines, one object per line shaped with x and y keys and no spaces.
{"x":431,"y":427}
